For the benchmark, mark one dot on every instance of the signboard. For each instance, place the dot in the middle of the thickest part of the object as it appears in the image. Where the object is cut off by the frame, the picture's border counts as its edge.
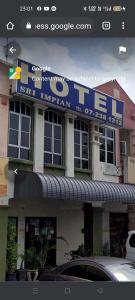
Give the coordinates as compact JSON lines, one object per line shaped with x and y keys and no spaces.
{"x":131,"y":170}
{"x":3,"y":176}
{"x":51,"y":88}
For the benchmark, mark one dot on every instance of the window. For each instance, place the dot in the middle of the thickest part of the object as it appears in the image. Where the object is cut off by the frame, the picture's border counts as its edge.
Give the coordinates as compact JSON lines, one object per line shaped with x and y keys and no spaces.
{"x":132,"y":241}
{"x":95,"y":274}
{"x":19,"y":130}
{"x":86,"y":272}
{"x":53,"y":138}
{"x":81,"y":145}
{"x":13,"y":224}
{"x":123,"y":147}
{"x":75,"y":271}
{"x":107,"y":148}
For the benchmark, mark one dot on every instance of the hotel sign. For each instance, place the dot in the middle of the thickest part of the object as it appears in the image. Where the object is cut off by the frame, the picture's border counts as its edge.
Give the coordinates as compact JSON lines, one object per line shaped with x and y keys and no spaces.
{"x":48,"y":87}
{"x":3,"y":176}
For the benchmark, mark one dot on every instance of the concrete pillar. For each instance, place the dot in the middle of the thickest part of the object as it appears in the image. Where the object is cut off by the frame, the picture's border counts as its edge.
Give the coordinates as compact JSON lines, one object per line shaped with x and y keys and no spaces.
{"x":106,"y":232}
{"x":117,"y":145}
{"x":39,"y":138}
{"x":131,"y":217}
{"x":97,"y":231}
{"x":95,"y":153}
{"x":21,"y":239}
{"x":88,"y":227}
{"x":3,"y":241}
{"x":70,"y":222}
{"x":69,"y":145}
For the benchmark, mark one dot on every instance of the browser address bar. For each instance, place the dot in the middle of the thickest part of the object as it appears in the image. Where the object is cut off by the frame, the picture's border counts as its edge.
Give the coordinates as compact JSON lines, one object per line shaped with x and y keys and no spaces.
{"x":57,"y":25}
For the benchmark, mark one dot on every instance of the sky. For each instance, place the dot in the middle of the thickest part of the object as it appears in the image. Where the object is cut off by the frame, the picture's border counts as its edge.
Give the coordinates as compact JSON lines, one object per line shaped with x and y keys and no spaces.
{"x":89,"y":61}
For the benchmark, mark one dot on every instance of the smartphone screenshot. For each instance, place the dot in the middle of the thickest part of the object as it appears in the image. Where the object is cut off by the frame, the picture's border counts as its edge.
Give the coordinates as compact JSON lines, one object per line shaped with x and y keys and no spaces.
{"x":67,"y":149}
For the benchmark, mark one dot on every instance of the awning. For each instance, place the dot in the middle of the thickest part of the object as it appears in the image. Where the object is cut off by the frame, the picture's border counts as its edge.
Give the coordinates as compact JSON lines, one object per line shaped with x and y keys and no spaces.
{"x":30,"y":185}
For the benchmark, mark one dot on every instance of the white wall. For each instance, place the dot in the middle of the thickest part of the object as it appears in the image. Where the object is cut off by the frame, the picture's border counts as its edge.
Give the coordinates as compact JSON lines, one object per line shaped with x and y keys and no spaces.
{"x":107,"y":172}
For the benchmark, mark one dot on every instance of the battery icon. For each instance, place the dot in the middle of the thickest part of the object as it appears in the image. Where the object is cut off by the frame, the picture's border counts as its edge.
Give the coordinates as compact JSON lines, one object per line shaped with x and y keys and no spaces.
{"x":117,"y":8}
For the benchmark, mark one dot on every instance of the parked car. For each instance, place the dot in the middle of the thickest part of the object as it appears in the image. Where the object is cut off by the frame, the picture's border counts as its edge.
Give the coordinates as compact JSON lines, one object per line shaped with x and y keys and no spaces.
{"x":95,"y":269}
{"x":130,"y":246}
{"x":52,"y":276}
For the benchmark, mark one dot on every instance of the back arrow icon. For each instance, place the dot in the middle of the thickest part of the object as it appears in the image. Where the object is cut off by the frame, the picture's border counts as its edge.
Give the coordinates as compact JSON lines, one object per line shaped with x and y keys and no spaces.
{"x":15,"y":171}
{"x":12,"y":50}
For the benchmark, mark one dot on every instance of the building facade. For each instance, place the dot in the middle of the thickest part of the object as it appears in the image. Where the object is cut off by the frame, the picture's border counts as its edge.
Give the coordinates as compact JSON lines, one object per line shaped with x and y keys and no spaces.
{"x":4,"y":110}
{"x":60,"y":144}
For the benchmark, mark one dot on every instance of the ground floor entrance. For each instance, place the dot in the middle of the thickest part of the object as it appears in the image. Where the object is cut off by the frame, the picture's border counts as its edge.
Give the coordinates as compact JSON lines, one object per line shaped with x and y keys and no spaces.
{"x":40,"y":233}
{"x":118,"y":233}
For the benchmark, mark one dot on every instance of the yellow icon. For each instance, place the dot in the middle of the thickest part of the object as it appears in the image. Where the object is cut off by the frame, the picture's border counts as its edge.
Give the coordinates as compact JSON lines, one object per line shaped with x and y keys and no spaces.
{"x":15,"y":73}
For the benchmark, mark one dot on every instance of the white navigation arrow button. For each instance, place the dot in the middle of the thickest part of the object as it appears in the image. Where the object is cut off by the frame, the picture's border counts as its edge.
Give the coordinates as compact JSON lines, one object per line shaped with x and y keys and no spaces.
{"x":12,"y":50}
{"x":16,"y":171}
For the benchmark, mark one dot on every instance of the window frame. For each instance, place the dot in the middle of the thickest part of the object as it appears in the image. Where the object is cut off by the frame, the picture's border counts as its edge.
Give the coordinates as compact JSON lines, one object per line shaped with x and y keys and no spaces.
{"x":125,"y":146}
{"x":132,"y":237}
{"x":85,"y":265}
{"x":80,"y":158}
{"x":19,"y":146}
{"x":97,"y":272}
{"x":106,"y":139}
{"x":52,"y":153}
{"x":70,"y":268}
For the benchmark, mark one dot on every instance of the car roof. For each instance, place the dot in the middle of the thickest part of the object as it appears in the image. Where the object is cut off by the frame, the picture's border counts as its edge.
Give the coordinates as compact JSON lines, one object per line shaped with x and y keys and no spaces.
{"x":103,"y":261}
{"x":107,"y":260}
{"x":131,"y":231}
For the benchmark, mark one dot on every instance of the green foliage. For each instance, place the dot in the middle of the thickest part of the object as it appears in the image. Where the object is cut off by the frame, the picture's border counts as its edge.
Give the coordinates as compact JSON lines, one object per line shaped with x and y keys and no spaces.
{"x":11,"y":248}
{"x":81,"y":251}
{"x":32,"y":258}
{"x":46,"y":247}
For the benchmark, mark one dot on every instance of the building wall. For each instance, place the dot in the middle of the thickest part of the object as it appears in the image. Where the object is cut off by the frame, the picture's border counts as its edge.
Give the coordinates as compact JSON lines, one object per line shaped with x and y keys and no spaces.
{"x":3,"y":125}
{"x":4,"y":81}
{"x":113,"y":89}
{"x":125,"y":136}
{"x":4,"y":94}
{"x":3,"y":241}
{"x":70,"y":222}
{"x":107,"y":172}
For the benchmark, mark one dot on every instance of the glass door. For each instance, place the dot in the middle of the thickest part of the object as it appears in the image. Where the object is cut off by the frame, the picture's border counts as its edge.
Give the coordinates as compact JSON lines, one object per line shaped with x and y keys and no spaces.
{"x":40,"y":233}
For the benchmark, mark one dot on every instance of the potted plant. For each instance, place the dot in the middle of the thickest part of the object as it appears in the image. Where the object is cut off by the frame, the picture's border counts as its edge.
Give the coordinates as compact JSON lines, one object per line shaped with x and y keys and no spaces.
{"x":81,"y":251}
{"x":35,"y":262}
{"x":22,"y":272}
{"x":32,"y":261}
{"x":45,"y":248}
{"x":11,"y":253}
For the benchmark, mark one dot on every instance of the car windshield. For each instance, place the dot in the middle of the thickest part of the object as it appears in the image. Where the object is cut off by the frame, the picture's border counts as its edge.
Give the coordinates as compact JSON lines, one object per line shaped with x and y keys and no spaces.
{"x":123,"y":272}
